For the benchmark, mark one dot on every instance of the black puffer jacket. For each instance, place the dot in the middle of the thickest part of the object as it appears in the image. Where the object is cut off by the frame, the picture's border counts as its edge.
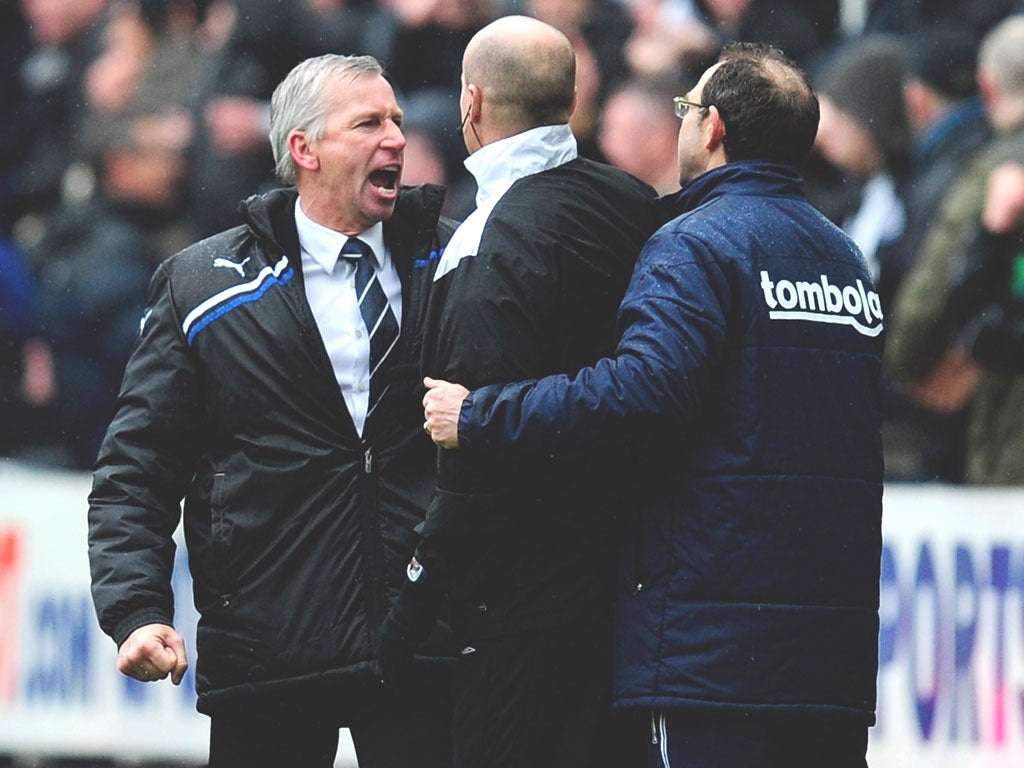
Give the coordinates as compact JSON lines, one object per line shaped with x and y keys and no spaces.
{"x":298,"y":529}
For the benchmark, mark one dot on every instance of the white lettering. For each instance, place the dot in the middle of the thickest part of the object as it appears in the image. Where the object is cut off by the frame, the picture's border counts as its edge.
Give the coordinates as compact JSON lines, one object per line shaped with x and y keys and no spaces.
{"x":785,"y":291}
{"x":833,"y":296}
{"x":853,"y":305}
{"x":767,"y":285}
{"x":851,"y":300}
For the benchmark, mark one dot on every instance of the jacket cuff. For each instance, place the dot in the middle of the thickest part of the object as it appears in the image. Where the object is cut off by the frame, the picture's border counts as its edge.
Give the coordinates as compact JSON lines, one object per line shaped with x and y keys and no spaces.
{"x":463,"y":426}
{"x":138,"y":619}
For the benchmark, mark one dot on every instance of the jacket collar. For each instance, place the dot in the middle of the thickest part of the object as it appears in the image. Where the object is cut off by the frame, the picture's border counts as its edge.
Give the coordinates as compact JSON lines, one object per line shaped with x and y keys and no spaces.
{"x":499,"y":165}
{"x":753,"y":177}
{"x":271,"y":216}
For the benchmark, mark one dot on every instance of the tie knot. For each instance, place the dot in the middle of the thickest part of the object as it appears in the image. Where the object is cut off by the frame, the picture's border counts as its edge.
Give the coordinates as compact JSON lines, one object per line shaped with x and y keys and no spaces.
{"x":354,"y":249}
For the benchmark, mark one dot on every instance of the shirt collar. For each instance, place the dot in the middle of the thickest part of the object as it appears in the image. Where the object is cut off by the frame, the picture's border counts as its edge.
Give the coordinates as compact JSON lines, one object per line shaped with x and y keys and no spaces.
{"x":324,"y":244}
{"x":499,"y":165}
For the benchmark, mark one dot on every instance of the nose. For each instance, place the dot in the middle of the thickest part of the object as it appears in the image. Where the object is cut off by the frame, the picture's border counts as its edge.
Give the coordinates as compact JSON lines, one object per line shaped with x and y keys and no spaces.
{"x":393,"y":136}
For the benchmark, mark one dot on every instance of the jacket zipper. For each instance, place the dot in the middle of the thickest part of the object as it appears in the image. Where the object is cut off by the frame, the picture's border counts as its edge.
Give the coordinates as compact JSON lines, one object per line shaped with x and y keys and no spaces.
{"x":375,"y":583}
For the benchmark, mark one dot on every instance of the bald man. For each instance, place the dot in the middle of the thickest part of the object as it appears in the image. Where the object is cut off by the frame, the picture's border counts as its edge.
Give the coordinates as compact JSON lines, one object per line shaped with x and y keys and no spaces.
{"x":528,"y":286}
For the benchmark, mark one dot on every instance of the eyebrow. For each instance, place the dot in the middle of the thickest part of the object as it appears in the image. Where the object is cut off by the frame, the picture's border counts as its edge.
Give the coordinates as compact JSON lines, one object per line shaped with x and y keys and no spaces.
{"x":398,"y":114}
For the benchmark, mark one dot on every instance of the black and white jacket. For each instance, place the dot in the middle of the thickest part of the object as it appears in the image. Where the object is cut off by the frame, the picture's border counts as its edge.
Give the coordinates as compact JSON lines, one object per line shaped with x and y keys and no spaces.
{"x":298,"y":528}
{"x":529,"y":286}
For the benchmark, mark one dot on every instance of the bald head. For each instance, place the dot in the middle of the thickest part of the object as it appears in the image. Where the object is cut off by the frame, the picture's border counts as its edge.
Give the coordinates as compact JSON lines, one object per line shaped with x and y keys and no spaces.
{"x":526,"y":70}
{"x":1002,"y":56}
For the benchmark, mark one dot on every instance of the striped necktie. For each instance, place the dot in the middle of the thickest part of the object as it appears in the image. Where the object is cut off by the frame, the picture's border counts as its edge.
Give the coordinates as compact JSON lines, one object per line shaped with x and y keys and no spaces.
{"x":377,"y":314}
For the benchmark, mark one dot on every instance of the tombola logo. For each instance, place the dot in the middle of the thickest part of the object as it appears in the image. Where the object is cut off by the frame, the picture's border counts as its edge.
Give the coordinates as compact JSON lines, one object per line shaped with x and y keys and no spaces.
{"x":823,"y":302}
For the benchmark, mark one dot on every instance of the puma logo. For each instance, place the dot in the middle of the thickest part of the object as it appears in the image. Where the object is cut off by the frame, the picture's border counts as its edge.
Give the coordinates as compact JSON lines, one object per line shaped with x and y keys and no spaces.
{"x":238,"y":266}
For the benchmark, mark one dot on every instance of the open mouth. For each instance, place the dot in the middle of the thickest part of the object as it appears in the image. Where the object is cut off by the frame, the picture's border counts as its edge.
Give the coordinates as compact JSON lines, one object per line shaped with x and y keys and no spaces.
{"x":385,"y":179}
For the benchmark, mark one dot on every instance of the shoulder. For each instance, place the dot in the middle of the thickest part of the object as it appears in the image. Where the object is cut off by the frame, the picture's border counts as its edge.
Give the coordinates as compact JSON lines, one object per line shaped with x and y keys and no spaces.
{"x":223,"y":265}
{"x":589,"y":177}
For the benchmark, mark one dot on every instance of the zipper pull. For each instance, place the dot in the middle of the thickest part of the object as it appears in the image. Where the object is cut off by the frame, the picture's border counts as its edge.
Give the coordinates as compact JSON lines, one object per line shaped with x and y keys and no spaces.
{"x":368,"y":462}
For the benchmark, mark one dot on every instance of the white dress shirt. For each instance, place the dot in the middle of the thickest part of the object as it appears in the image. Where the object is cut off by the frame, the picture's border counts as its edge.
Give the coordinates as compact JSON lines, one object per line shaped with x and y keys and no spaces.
{"x":330,"y":289}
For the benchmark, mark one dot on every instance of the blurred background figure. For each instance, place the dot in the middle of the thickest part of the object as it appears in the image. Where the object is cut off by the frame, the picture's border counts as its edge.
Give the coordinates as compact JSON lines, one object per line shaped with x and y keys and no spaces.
{"x":949,"y":126}
{"x":193,"y":77}
{"x":15,"y":128}
{"x":989,"y":290}
{"x":26,"y":369}
{"x":680,"y":38}
{"x":94,"y":262}
{"x":905,"y":17}
{"x":639,"y":131}
{"x":65,"y":36}
{"x":864,"y":132}
{"x":947,"y":122}
{"x":922,"y":352}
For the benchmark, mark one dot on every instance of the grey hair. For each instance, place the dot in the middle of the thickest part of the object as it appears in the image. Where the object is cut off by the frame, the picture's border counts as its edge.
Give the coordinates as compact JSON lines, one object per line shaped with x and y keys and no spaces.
{"x":1002,"y":55}
{"x":299,"y":103}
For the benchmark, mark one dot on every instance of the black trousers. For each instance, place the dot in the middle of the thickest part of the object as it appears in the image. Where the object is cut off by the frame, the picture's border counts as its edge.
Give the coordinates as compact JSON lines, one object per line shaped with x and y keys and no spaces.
{"x":539,"y":700}
{"x":302,"y":731}
{"x":685,"y":739}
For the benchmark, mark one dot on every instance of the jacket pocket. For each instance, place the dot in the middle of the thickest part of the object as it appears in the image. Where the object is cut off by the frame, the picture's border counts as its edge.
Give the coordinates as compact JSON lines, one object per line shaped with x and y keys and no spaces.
{"x":219,"y":593}
{"x":218,"y":523}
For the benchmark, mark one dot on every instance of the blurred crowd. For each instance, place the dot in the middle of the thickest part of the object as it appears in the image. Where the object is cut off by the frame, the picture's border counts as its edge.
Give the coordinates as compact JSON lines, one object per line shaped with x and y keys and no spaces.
{"x":131,"y":128}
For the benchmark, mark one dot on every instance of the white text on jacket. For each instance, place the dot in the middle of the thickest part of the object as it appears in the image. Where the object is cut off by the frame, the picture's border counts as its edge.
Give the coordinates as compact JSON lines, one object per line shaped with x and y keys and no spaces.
{"x":823,"y":302}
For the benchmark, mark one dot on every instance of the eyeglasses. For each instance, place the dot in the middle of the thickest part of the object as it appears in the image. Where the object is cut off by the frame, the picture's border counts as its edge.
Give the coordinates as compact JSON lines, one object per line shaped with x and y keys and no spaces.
{"x":682,"y":106}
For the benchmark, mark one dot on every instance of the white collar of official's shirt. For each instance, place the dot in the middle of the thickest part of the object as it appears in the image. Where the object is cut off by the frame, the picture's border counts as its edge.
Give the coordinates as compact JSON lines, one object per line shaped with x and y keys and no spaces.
{"x":499,"y":165}
{"x":324,"y":244}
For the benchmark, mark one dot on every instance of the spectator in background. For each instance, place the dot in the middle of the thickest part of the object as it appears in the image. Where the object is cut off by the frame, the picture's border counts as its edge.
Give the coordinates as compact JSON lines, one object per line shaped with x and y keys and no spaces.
{"x":674,"y":37}
{"x":15,"y":126}
{"x":949,"y":126}
{"x":26,"y":368}
{"x":96,"y":260}
{"x":639,"y":132}
{"x":907,"y":17}
{"x":989,"y":289}
{"x":146,"y":77}
{"x":426,"y":54}
{"x":864,"y":132}
{"x":66,"y":37}
{"x":921,"y":352}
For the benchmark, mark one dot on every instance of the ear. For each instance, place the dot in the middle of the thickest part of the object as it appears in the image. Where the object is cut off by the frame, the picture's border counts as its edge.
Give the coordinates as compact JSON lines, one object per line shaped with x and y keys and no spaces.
{"x":575,"y":100}
{"x":476,"y":102}
{"x":301,"y":151}
{"x":714,"y":130}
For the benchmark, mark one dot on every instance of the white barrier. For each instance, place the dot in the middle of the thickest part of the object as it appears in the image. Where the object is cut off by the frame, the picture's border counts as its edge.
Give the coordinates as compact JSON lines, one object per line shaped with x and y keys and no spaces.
{"x":951,"y":684}
{"x":60,"y":691}
{"x":951,"y":679}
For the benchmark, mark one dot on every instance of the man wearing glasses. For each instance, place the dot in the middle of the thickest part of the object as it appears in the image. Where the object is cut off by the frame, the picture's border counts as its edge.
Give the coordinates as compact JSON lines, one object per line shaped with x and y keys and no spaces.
{"x":746,"y":382}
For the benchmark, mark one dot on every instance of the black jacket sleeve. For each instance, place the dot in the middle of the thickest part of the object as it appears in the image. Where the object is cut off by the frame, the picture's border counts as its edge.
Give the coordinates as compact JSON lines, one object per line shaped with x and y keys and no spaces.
{"x":144,"y":467}
{"x":494,"y":322}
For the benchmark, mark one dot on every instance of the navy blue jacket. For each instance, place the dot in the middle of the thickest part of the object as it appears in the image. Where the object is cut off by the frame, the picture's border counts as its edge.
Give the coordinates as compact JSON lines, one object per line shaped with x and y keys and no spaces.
{"x":747,"y":379}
